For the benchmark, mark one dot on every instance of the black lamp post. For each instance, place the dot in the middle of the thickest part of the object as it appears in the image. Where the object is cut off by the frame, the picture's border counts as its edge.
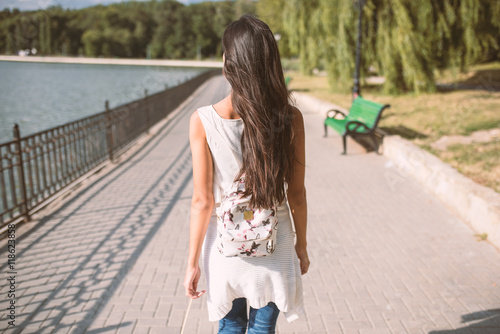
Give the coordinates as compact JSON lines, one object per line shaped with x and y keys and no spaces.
{"x":356,"y":91}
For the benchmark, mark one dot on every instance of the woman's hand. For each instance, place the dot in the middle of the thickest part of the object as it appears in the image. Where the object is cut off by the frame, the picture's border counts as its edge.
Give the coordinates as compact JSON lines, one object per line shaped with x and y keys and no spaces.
{"x":191,"y":282}
{"x":303,"y":258}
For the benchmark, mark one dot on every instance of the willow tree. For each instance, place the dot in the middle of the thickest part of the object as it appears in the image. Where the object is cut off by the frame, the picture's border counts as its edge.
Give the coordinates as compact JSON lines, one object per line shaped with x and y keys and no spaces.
{"x":267,"y":11}
{"x":405,"y":41}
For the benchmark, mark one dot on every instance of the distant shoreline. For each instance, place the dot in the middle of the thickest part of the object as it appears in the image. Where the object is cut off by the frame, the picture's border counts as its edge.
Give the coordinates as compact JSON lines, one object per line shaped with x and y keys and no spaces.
{"x":115,"y":61}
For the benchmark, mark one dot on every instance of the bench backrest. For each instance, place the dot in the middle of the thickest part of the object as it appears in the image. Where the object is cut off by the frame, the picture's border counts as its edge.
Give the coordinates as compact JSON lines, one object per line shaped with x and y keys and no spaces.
{"x":367,"y":112}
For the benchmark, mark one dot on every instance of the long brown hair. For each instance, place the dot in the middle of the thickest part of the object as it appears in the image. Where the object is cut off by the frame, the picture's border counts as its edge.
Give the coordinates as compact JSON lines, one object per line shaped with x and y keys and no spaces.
{"x":260,"y":97}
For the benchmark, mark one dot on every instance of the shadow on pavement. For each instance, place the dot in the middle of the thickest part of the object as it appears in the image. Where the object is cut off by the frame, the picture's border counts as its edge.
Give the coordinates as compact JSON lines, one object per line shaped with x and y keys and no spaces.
{"x":76,"y":257}
{"x":487,"y":321}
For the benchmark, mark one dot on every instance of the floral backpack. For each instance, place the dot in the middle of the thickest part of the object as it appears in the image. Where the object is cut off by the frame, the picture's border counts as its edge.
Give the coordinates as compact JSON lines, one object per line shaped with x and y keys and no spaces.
{"x":241,"y":230}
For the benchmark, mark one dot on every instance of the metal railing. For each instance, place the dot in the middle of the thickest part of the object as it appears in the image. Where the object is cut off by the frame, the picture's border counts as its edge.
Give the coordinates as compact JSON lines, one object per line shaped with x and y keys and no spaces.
{"x":33,"y":169}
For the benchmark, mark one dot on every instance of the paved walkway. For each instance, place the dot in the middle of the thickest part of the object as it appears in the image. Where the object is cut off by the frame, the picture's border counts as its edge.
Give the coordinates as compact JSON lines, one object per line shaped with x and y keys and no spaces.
{"x":387,"y":257}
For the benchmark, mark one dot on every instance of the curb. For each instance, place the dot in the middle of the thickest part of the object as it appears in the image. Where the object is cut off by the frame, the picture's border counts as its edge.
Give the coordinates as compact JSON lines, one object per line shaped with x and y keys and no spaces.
{"x":475,"y":204}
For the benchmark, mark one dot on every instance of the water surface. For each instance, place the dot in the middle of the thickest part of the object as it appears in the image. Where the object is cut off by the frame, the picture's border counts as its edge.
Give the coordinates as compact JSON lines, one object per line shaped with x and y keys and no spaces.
{"x":39,"y":96}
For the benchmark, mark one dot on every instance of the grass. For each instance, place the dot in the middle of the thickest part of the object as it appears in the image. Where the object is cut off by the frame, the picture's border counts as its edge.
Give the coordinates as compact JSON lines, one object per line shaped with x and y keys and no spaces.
{"x":481,"y":237}
{"x":479,"y":161}
{"x":466,"y":103}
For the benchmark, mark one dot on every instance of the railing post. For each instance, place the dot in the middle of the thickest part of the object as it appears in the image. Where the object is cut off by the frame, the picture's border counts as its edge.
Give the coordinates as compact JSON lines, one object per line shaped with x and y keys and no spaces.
{"x":146,"y":101}
{"x":109,"y":132}
{"x":24,"y":208}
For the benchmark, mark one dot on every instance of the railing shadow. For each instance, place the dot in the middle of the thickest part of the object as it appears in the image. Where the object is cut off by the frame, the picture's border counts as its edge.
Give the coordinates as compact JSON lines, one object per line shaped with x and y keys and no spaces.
{"x":76,"y":257}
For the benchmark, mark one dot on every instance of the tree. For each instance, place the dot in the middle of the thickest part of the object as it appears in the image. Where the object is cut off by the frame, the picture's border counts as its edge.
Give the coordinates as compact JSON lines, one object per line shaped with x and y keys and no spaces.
{"x":127,"y":29}
{"x":406,"y":41}
{"x":93,"y":42}
{"x":165,"y":14}
{"x":272,"y":13}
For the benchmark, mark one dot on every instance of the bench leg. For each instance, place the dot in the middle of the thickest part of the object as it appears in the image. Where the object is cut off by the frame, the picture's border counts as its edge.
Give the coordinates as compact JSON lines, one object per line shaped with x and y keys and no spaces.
{"x":375,"y":144}
{"x":345,"y":144}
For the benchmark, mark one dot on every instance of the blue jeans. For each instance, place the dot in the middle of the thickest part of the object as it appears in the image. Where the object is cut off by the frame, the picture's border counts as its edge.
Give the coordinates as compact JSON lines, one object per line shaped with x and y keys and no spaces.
{"x":261,"y":321}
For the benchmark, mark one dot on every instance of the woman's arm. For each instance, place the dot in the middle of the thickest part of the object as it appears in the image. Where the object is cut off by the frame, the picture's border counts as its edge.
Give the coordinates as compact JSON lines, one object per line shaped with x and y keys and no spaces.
{"x":202,"y":203}
{"x":297,"y":192}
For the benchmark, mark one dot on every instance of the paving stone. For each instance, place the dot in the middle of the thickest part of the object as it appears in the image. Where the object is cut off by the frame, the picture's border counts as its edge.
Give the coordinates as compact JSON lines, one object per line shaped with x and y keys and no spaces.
{"x":141,"y":330}
{"x":165,"y":330}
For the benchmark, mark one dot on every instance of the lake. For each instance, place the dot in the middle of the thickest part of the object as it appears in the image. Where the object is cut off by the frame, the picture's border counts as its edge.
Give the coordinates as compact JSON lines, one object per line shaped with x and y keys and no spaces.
{"x":38,"y":96}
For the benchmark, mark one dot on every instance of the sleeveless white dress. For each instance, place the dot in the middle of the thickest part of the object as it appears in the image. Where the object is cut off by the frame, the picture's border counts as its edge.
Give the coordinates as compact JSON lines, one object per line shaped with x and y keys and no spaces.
{"x":274,"y":278}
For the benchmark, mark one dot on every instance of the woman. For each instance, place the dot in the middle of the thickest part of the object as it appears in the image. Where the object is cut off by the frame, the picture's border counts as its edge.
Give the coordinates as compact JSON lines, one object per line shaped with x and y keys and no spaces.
{"x":256,"y":132}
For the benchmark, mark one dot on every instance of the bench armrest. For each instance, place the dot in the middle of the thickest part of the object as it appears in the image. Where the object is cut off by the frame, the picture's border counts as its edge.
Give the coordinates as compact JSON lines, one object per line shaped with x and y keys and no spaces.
{"x":356,"y":126}
{"x":335,"y":113}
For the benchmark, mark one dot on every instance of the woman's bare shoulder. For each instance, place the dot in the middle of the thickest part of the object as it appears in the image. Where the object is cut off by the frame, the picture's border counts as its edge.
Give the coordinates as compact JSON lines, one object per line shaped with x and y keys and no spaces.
{"x":296,"y":111}
{"x":196,"y":128}
{"x":195,"y":118}
{"x":298,"y":118}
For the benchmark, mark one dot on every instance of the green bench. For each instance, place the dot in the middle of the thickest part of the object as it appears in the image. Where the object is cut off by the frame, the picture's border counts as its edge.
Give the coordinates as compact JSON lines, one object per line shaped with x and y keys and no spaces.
{"x":362,"y":119}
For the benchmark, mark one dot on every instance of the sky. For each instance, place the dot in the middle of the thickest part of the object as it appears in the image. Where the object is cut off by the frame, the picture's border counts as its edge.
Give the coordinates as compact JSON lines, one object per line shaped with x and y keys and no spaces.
{"x":42,"y":4}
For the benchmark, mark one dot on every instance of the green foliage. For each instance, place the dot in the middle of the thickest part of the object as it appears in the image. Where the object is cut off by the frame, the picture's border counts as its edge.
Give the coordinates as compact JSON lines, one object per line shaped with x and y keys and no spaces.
{"x":272,"y":13}
{"x":92,"y":41}
{"x":406,"y":41}
{"x":167,"y":28}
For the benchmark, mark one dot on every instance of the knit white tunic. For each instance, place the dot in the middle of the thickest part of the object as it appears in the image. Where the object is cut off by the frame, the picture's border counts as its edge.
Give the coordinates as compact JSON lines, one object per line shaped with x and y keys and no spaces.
{"x":274,"y":278}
